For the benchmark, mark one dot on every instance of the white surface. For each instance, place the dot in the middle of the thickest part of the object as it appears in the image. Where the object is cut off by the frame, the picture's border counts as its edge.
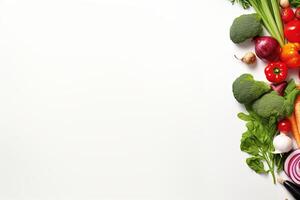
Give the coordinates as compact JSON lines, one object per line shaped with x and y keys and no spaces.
{"x":122,"y":100}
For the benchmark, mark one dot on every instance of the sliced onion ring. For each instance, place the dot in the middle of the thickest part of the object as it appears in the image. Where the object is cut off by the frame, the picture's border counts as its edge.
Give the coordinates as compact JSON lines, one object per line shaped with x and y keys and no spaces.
{"x":289,"y":159}
{"x":292,"y":166}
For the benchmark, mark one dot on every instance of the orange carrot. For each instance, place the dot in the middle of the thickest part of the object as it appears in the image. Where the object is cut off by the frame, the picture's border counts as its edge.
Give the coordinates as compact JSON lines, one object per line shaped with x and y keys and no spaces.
{"x":295,"y":130}
{"x":297,"y":111}
{"x":295,"y":121}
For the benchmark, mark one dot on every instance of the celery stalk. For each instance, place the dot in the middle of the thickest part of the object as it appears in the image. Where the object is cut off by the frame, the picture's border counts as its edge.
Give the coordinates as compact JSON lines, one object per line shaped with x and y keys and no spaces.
{"x":275,"y":6}
{"x":268,"y":13}
{"x":263,"y":16}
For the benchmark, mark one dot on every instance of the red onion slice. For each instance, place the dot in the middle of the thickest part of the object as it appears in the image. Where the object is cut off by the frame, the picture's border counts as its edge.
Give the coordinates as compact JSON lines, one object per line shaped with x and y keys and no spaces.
{"x":292,"y":166}
{"x":289,"y":159}
{"x":295,"y":171}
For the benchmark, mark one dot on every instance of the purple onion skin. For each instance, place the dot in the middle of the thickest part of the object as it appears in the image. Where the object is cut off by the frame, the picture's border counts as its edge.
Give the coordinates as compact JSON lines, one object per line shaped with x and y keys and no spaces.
{"x":279,"y":87}
{"x":267,"y":48}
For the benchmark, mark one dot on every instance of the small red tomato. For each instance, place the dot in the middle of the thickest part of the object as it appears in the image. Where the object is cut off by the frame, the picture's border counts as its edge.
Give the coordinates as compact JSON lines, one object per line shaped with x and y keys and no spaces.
{"x":292,"y":31}
{"x":297,"y":13}
{"x":284,"y":126}
{"x":287,"y":14}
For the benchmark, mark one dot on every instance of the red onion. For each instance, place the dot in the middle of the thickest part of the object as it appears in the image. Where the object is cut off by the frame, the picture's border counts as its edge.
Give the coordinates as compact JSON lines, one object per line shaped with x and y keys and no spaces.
{"x":292,"y":166}
{"x":279,"y":87}
{"x":267,"y":48}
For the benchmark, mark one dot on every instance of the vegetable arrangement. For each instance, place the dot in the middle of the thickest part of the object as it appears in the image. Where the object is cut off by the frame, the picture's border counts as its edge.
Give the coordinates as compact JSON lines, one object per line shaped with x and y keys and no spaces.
{"x":273,"y":106}
{"x":264,"y":106}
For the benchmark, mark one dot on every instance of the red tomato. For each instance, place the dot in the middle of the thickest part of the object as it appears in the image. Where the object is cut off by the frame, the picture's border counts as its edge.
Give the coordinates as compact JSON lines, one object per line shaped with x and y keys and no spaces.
{"x":287,"y":14}
{"x":297,"y":13}
{"x":284,"y":126}
{"x":292,"y":31}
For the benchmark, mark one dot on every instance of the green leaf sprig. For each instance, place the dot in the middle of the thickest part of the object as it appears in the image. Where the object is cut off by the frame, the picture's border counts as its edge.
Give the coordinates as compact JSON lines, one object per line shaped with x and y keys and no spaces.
{"x":257,"y":141}
{"x":244,"y":3}
{"x":295,"y":3}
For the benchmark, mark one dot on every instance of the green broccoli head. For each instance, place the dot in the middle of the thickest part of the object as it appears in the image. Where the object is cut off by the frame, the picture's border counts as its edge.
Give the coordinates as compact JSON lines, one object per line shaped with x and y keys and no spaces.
{"x":246,"y":89}
{"x":270,"y":104}
{"x":245,"y":27}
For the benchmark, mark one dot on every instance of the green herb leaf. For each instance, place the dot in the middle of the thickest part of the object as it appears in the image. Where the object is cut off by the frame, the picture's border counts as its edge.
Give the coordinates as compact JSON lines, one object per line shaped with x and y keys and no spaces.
{"x":244,"y":117}
{"x":244,"y":3}
{"x":248,"y":144}
{"x":290,"y":87}
{"x":256,"y":164}
{"x":289,"y":102}
{"x":290,"y":94}
{"x":257,"y":141}
{"x":295,"y":3}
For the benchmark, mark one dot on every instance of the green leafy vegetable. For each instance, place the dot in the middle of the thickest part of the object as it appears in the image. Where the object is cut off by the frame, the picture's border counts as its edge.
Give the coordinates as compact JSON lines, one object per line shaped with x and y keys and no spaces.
{"x":290,"y":87}
{"x":245,"y":27}
{"x":257,"y":142}
{"x":290,"y":100}
{"x":246,"y":89}
{"x":290,"y":94}
{"x":256,"y":164}
{"x":245,"y":3}
{"x":295,"y":3}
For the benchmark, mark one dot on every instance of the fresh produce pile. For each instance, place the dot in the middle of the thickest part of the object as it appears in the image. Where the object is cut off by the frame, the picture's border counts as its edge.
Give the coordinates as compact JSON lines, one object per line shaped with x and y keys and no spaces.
{"x":272,"y":136}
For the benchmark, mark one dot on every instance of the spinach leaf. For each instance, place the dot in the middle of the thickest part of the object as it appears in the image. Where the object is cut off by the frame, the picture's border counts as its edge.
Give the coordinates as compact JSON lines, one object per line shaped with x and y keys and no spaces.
{"x":256,"y":164}
{"x":290,"y":87}
{"x":290,"y":94}
{"x":257,"y":141}
{"x":248,"y":144}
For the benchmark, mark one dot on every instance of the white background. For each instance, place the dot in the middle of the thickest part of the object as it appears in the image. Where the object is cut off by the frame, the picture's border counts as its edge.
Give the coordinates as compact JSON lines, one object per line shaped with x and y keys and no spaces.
{"x":122,"y":100}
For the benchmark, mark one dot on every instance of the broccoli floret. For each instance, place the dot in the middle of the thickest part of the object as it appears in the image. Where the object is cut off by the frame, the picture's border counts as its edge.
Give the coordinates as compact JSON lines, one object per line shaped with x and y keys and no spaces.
{"x":246,"y":89}
{"x":269,"y":104}
{"x":245,"y":27}
{"x":274,"y":104}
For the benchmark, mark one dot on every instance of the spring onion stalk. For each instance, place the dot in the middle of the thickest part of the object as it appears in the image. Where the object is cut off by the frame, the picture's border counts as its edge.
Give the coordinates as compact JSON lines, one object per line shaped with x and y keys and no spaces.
{"x":275,"y":6}
{"x":269,"y":12}
{"x":258,"y":11}
{"x":257,"y":8}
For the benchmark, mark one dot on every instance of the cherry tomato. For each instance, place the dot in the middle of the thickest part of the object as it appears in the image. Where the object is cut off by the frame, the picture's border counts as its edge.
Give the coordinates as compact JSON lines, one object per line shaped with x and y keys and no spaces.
{"x":287,"y":14}
{"x":292,"y":31}
{"x":297,"y":13}
{"x":284,"y":126}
